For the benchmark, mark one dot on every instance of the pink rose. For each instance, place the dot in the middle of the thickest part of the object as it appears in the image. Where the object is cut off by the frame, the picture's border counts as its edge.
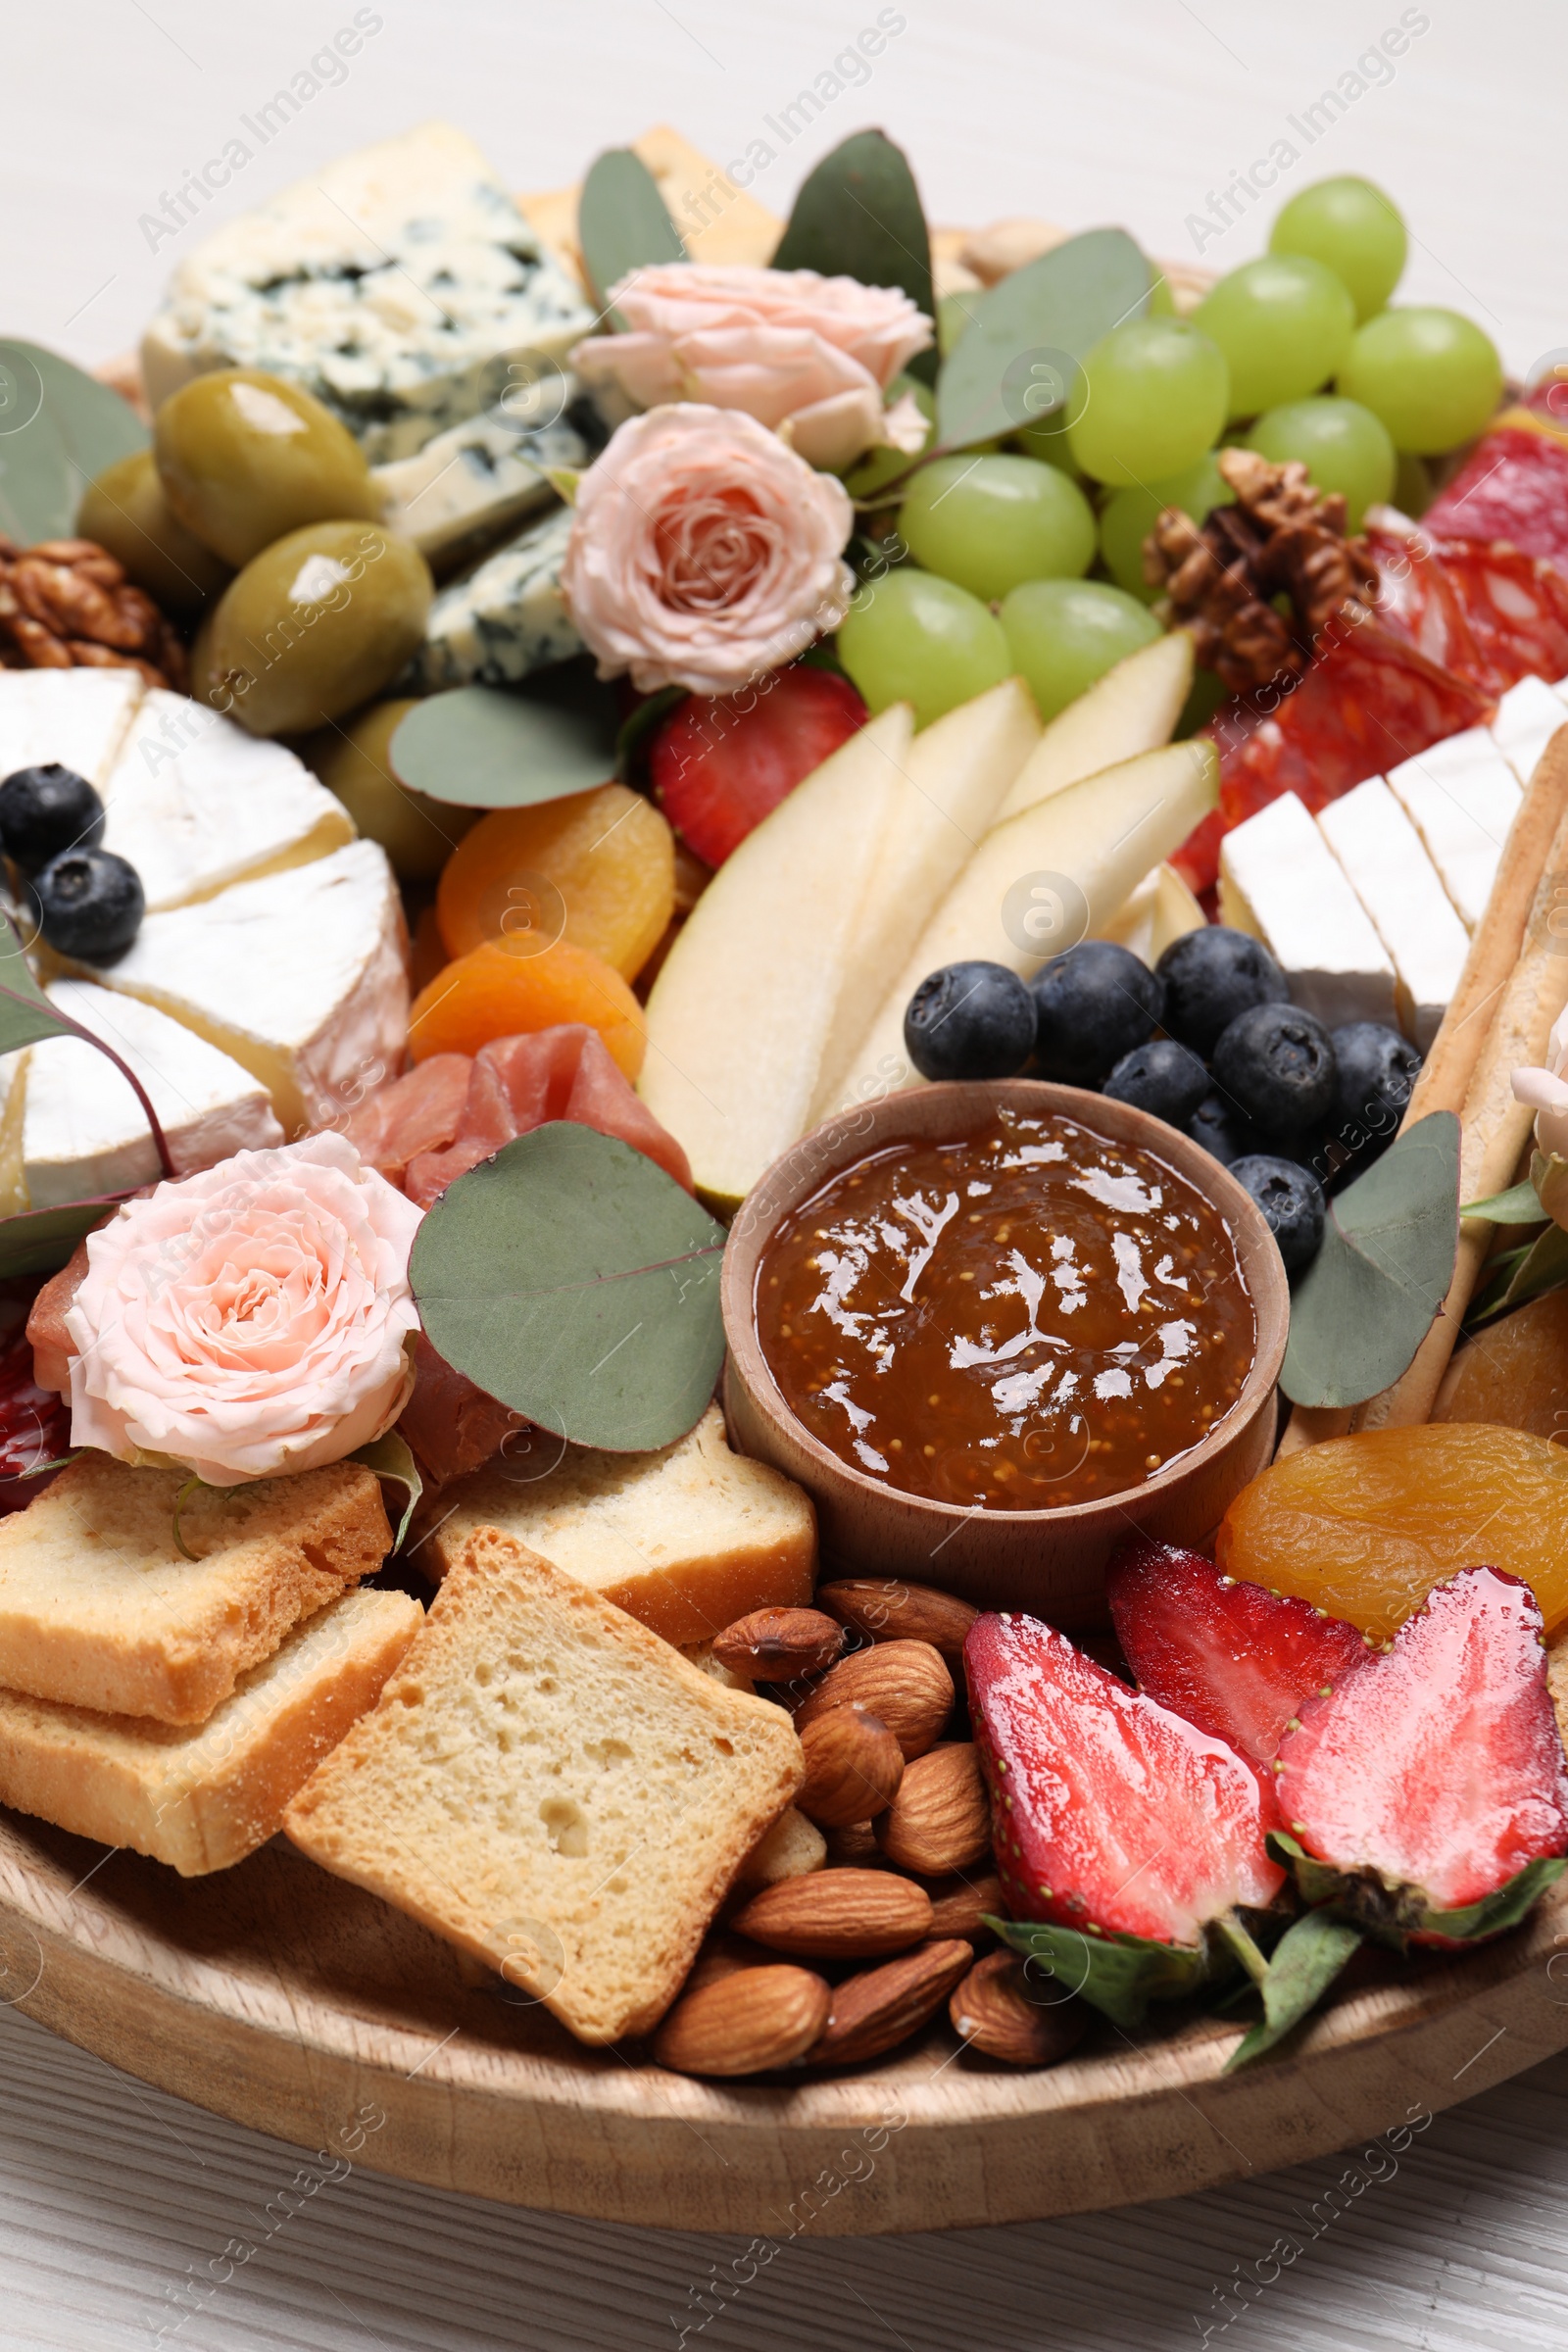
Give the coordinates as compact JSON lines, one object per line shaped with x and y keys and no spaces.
{"x":703,"y":551}
{"x":250,"y":1320}
{"x":1545,"y":1091}
{"x":810,"y":355}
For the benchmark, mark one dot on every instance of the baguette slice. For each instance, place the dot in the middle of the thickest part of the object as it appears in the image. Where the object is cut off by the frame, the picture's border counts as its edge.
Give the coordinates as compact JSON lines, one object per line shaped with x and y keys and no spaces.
{"x":202,"y":1798}
{"x":687,"y":1538}
{"x":552,"y":1787}
{"x":99,"y":1607}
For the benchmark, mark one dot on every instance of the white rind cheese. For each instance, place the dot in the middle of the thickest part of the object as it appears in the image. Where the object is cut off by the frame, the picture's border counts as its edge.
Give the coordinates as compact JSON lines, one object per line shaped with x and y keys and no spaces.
{"x":1461,"y":797}
{"x":1395,"y":881}
{"x":399,"y":285}
{"x":198,"y":804}
{"x":1527,"y":719}
{"x":478,"y":479}
{"x":504,"y":620}
{"x":301,"y":977}
{"x":82,"y":1129}
{"x":1279,"y":880}
{"x":75,"y":717}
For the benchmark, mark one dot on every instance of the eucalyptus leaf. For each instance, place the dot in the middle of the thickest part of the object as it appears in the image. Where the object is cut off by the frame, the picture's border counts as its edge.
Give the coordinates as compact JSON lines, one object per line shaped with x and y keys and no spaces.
{"x":26,"y":1017}
{"x":1020,"y":358}
{"x":858,"y":215}
{"x":392,"y":1460}
{"x":39,"y":1241}
{"x":635,"y":740}
{"x":1306,"y":1961}
{"x":572,"y":1279}
{"x":1368,"y":1300}
{"x":1542,"y":1268}
{"x":481,"y":747}
{"x":1520,"y":1205}
{"x":59,"y":427}
{"x":622,"y":220}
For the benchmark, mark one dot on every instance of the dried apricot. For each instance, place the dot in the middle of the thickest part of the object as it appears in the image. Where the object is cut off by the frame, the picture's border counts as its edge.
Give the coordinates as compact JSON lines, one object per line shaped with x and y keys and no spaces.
{"x":510,"y":988}
{"x":1365,"y":1526}
{"x":595,"y":867}
{"x":428,"y":951}
{"x":1515,"y":1371}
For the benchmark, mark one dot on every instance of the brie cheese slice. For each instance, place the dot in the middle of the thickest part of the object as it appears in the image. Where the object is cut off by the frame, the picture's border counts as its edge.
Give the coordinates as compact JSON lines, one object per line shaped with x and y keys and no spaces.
{"x":75,"y":717}
{"x":1398,"y":884}
{"x":13,"y":1093}
{"x":1461,"y":797}
{"x":83,"y":1131}
{"x":301,"y":977}
{"x":1527,"y":719}
{"x":198,"y":804}
{"x":1279,"y":880}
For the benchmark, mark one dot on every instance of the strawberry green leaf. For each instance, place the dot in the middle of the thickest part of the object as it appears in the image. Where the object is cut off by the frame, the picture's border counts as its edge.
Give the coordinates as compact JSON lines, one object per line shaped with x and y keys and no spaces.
{"x":1307,"y":1958}
{"x":1368,"y":1300}
{"x":621,"y":221}
{"x":1391,"y":1913}
{"x":1019,"y":362}
{"x":858,"y":215}
{"x":1496,"y":1912}
{"x":1117,"y":1975}
{"x":389,"y":1456}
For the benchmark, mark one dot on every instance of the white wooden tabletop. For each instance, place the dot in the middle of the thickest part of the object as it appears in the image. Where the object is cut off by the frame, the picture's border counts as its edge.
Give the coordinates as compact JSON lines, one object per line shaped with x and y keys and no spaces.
{"x":1143,"y":112}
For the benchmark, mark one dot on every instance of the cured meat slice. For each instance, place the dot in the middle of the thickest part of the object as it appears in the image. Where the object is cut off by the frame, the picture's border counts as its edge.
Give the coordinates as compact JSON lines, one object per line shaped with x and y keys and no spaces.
{"x":1512,"y":486}
{"x":420,"y":1112}
{"x":452,"y":1425}
{"x":1516,"y":609}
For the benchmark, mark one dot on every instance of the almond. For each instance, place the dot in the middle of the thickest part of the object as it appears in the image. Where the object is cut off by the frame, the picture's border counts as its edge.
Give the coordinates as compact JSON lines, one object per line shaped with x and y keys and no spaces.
{"x":719,"y":1955}
{"x":906,"y":1683}
{"x":889,"y":1610}
{"x":993,"y":2012}
{"x":744,"y":2022}
{"x":838,"y":1914}
{"x":852,"y":1766}
{"x":940,"y":1820}
{"x":959,"y":1903}
{"x":883,"y":2006}
{"x":855,"y":1845}
{"x":773,"y":1646}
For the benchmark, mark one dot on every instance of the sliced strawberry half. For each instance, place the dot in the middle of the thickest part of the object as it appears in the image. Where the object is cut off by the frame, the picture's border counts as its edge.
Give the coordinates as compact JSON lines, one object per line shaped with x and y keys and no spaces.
{"x":1235,"y":1660}
{"x":721,"y":763}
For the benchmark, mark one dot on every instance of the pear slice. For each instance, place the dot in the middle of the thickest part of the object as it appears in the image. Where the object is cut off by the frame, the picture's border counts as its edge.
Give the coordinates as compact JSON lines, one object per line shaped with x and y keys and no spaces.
{"x":744,"y":1002}
{"x":954,"y":779}
{"x":1043,"y":879}
{"x":1160,"y":909}
{"x":1132,"y":709}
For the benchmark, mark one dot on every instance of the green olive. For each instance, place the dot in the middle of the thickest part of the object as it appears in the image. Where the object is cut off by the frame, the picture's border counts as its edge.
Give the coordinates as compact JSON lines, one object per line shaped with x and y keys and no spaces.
{"x":245,"y":458}
{"x":355,"y":761}
{"x":316,"y":625}
{"x":125,"y":511}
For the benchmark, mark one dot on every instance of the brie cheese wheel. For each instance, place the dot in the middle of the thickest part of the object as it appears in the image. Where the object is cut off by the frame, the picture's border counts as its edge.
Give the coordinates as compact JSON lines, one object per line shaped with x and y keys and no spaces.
{"x":1398,"y":884}
{"x":1279,"y":880}
{"x":301,"y":977}
{"x":75,"y":717}
{"x":1527,"y":719}
{"x":83,"y":1131}
{"x":1461,"y":797}
{"x":197,"y":805}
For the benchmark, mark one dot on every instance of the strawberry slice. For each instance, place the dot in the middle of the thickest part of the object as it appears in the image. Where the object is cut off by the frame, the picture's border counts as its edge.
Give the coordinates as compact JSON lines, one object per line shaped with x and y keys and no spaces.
{"x":1432,"y":1782}
{"x":721,"y":763}
{"x":1235,"y":1660}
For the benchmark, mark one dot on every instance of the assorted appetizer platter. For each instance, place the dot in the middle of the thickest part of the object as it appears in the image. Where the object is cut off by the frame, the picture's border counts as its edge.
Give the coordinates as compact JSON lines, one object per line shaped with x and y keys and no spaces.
{"x":783,"y":1172}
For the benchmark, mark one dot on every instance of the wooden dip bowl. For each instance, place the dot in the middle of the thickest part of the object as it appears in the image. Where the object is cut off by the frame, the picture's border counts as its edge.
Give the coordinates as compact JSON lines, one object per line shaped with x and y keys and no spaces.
{"x":1049,"y":1562}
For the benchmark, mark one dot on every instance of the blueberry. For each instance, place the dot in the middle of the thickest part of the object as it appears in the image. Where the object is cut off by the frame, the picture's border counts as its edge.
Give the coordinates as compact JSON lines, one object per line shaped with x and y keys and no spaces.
{"x":1163,"y":1078}
{"x":970,"y":1020}
{"x":1094,"y":1003}
{"x":1220,"y":1128}
{"x":1377,"y":1069}
{"x":46,"y":809}
{"x":1277,"y":1065}
{"x":1292,"y":1200}
{"x":1212,"y":975}
{"x":89,"y":903}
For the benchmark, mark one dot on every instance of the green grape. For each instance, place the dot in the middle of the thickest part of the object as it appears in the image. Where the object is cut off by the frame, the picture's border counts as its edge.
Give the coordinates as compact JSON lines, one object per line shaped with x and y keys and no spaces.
{"x":1353,"y":229}
{"x":1342,"y":445}
{"x":868,"y":475}
{"x":1157,"y":392}
{"x":912,"y":638}
{"x":1284,"y":323}
{"x":1128,"y":516}
{"x":992,"y":523}
{"x":1432,"y":376}
{"x":1412,"y":486}
{"x":1048,"y":441}
{"x":1064,"y":634}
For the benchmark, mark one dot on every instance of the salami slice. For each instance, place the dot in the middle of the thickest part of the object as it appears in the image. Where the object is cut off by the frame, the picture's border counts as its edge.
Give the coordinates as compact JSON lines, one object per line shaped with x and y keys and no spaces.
{"x":1512,"y":486}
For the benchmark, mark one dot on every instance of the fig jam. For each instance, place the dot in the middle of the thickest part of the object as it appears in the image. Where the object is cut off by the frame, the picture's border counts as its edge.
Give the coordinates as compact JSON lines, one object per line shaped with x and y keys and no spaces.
{"x":1027,"y":1317}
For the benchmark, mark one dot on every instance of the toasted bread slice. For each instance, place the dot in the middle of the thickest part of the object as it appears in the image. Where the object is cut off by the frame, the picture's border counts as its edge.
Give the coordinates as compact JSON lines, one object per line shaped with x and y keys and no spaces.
{"x":204,"y":1796}
{"x":554,"y":1787}
{"x":687,"y":1538}
{"x":100,"y":1608}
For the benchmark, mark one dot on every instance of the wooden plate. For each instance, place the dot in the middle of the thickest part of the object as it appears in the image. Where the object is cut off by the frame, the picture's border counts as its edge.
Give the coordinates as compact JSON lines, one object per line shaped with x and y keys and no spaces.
{"x":295,"y":2003}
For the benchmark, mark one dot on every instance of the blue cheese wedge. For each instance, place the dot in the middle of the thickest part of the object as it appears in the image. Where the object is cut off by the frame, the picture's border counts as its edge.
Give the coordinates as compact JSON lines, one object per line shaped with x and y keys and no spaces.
{"x":301,"y":977}
{"x":401,"y":286}
{"x":79,"y":717}
{"x":1398,"y":884}
{"x":82,"y":1128}
{"x":482,"y":477}
{"x":198,"y":804}
{"x":1279,"y":880}
{"x":1461,"y":797}
{"x":504,"y":620}
{"x":1527,"y":719}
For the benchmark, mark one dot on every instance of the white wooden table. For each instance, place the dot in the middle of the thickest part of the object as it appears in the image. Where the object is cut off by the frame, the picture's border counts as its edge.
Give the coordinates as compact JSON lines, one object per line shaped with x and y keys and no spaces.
{"x":1135,"y":111}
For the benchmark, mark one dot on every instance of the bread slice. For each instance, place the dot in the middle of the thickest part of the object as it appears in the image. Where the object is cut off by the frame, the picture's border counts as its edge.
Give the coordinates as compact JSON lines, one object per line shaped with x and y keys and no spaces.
{"x":554,"y":1787}
{"x":205,"y":1795}
{"x":99,"y":1607}
{"x":687,"y":1538}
